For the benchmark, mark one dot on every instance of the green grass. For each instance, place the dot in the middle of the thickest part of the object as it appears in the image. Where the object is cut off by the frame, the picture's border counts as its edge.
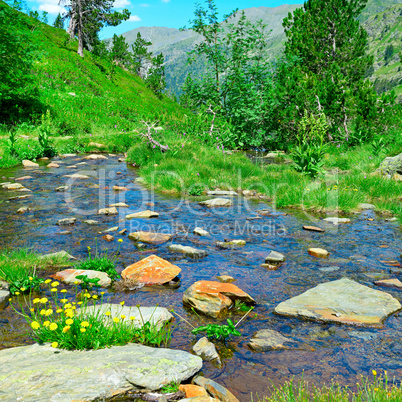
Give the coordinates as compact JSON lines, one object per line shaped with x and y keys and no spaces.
{"x":377,"y":389}
{"x":19,"y":268}
{"x":191,"y":165}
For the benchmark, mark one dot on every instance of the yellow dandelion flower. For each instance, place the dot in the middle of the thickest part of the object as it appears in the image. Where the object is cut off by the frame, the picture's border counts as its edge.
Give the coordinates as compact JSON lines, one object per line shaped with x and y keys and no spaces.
{"x":66,"y":328}
{"x":35,"y":324}
{"x":85,"y":324}
{"x":95,"y":297}
{"x":23,"y":289}
{"x":87,"y":295}
{"x":102,"y":293}
{"x":374,"y":373}
{"x":31,"y":310}
{"x":69,"y":313}
{"x":44,"y":300}
{"x":54,"y":344}
{"x":107,"y":313}
{"x":42,"y":312}
{"x":53,"y":289}
{"x":63,"y":290}
{"x":36,"y":300}
{"x":80,"y":303}
{"x":122,"y":303}
{"x":82,"y":330}
{"x":53,"y":326}
{"x":60,"y":310}
{"x":48,"y":312}
{"x":116,"y":319}
{"x":17,"y":293}
{"x":132,"y":318}
{"x":68,"y":305}
{"x":76,"y":282}
{"x":46,"y":324}
{"x":10,"y":299}
{"x":48,"y":280}
{"x":120,"y":240}
{"x":69,"y":321}
{"x":55,"y":284}
{"x":123,"y":316}
{"x":30,"y":278}
{"x":64,"y":300}
{"x":89,"y":248}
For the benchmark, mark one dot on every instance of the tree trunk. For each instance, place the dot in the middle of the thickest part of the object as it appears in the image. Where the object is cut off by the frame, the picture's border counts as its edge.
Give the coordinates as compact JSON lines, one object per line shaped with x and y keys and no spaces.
{"x":80,"y":29}
{"x":72,"y":25}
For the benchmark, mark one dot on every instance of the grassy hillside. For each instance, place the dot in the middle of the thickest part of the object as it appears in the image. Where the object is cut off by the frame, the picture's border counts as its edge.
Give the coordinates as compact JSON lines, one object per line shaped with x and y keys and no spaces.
{"x":385,"y":41}
{"x":86,"y":101}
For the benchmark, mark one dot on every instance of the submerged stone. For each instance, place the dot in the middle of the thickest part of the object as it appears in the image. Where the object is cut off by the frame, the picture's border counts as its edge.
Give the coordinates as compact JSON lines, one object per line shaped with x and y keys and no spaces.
{"x":344,"y":301}
{"x":231,"y":244}
{"x":222,"y":193}
{"x":143,"y":214}
{"x":336,"y":221}
{"x":217,"y":202}
{"x":66,"y":221}
{"x":150,"y":237}
{"x":190,"y":251}
{"x":206,"y":350}
{"x":268,"y":339}
{"x":318,"y":252}
{"x":108,"y":211}
{"x":390,"y":283}
{"x":42,"y":373}
{"x":275,"y":257}
{"x":200,"y":232}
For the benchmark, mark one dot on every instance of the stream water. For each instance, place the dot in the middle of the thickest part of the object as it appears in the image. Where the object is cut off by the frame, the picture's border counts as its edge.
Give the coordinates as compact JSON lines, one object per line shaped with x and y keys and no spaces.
{"x":321,"y":352}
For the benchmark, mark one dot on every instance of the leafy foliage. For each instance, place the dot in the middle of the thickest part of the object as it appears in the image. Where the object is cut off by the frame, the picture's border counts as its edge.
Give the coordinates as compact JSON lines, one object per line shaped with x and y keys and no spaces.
{"x":18,"y":91}
{"x":217,"y":331}
{"x":237,"y":85}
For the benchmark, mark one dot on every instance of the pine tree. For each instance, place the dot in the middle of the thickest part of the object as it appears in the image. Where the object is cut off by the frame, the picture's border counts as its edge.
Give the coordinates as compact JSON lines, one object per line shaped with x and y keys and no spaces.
{"x":330,"y":48}
{"x":141,"y":55}
{"x":88,"y":17}
{"x":58,"y":22}
{"x":119,"y":52}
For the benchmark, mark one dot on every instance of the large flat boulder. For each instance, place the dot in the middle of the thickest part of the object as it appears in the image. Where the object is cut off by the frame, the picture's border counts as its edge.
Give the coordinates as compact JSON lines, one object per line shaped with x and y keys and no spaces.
{"x":143,"y":214}
{"x":150,"y":237}
{"x":158,"y":316}
{"x":152,"y":270}
{"x":214,"y":298}
{"x":343,"y":301}
{"x":41,"y":373}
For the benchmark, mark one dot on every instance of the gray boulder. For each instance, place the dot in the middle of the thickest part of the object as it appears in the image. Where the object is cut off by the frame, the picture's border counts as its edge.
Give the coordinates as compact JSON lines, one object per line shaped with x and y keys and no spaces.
{"x":268,"y":339}
{"x":41,"y":373}
{"x":391,"y":165}
{"x":187,"y":250}
{"x":206,"y":350}
{"x":343,"y":301}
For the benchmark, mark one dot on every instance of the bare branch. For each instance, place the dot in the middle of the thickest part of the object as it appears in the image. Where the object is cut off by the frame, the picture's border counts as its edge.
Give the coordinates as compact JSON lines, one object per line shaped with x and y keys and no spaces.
{"x":148,"y":136}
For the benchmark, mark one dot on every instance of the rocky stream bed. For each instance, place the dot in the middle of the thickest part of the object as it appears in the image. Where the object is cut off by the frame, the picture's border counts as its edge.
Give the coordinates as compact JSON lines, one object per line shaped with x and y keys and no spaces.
{"x":327,"y":296}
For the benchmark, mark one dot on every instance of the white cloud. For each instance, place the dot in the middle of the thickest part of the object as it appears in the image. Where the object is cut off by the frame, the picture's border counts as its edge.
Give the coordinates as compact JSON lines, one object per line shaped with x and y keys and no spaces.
{"x":134,"y":18}
{"x":121,"y":3}
{"x":52,"y":9}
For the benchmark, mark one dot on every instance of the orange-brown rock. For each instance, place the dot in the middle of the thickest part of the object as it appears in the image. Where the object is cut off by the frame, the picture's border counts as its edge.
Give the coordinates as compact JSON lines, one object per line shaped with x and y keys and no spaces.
{"x":214,"y":298}
{"x":152,"y":270}
{"x":318,"y":252}
{"x":313,"y":229}
{"x":191,"y":390}
{"x":119,"y":188}
{"x":150,"y":237}
{"x":390,"y":283}
{"x":108,"y":237}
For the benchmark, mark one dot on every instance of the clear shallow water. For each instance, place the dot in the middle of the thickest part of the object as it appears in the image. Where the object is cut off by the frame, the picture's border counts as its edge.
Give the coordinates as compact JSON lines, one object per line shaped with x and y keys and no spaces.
{"x":323,"y":351}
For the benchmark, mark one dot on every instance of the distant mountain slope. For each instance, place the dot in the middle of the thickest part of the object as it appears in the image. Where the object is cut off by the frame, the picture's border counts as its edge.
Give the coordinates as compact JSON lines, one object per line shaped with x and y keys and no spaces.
{"x":175,"y":44}
{"x":385,"y":41}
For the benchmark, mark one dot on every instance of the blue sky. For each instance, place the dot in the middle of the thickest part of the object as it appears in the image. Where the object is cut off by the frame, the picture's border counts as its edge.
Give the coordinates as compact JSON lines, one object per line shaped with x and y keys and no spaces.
{"x":167,"y":13}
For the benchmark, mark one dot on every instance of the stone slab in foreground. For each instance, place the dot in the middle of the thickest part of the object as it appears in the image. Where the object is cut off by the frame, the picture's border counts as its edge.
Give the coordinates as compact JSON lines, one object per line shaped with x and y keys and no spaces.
{"x":344,"y":301}
{"x":41,"y":373}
